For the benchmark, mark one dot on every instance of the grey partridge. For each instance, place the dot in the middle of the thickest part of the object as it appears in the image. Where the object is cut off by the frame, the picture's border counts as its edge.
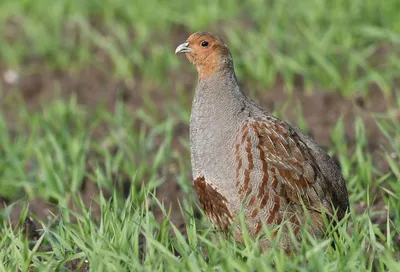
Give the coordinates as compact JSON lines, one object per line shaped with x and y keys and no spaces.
{"x":245,"y":159}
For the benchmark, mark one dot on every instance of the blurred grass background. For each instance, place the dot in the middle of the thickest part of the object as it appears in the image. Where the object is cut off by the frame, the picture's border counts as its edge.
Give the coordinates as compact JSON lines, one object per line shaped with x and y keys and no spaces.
{"x":94,"y":109}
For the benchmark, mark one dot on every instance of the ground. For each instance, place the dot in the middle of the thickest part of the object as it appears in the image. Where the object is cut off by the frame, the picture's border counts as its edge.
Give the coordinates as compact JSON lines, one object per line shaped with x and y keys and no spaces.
{"x":110,"y":121}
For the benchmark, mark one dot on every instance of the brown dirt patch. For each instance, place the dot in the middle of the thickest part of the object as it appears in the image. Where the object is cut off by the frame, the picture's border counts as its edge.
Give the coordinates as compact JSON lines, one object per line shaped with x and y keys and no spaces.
{"x":93,"y":85}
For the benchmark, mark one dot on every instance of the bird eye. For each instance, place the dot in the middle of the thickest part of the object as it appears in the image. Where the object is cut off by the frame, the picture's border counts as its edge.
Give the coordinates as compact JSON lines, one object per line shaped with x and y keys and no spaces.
{"x":204,"y":43}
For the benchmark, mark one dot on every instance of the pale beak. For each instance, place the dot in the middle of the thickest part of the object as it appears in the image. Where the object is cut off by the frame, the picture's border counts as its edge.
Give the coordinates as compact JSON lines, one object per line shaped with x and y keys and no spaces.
{"x":183,"y":48}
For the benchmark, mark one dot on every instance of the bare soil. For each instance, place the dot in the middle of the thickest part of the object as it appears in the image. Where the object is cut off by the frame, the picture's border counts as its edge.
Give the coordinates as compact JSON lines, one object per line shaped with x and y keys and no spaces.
{"x":38,"y":85}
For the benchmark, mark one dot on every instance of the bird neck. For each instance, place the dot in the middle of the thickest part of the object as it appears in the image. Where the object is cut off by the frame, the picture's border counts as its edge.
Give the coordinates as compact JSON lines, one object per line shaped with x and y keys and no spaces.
{"x":218,"y":96}
{"x":220,"y":85}
{"x":212,"y":64}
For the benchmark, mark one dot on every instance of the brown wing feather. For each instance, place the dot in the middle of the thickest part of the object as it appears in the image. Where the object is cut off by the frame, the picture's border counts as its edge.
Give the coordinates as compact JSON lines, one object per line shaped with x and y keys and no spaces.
{"x":267,"y":147}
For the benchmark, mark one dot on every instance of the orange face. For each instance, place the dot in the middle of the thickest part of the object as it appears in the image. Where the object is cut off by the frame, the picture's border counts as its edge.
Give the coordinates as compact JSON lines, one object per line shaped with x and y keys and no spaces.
{"x":205,"y":51}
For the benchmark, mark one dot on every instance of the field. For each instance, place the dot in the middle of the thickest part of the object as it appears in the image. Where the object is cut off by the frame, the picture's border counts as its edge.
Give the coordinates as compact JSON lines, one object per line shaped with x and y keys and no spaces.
{"x":95,"y":167}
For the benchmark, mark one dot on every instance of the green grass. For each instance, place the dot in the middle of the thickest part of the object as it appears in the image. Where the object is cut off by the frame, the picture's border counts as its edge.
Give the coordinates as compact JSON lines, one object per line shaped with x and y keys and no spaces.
{"x":49,"y":153}
{"x":333,"y":44}
{"x":60,"y":140}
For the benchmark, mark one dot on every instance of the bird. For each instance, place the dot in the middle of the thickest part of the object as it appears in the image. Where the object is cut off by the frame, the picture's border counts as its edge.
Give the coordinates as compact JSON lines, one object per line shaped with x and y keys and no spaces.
{"x":246,"y":160}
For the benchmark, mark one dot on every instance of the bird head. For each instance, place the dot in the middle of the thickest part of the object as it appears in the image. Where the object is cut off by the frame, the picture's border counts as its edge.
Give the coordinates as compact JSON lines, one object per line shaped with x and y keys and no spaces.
{"x":207,"y":52}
